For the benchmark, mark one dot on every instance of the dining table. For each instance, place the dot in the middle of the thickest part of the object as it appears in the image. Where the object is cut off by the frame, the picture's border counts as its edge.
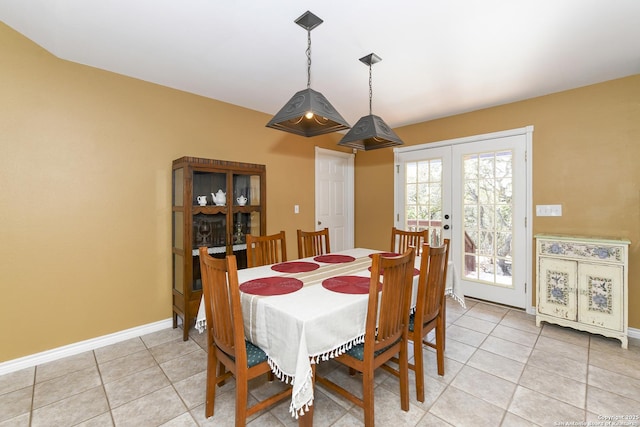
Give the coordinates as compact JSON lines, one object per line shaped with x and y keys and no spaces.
{"x":310,"y":310}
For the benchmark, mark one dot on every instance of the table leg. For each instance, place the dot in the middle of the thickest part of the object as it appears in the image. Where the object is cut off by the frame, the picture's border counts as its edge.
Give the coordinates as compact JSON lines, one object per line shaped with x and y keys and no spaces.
{"x":307,"y":419}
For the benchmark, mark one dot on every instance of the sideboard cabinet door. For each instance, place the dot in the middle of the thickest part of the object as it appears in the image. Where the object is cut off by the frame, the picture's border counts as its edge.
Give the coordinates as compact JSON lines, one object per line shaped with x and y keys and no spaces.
{"x":557,"y":293}
{"x":600,"y":299}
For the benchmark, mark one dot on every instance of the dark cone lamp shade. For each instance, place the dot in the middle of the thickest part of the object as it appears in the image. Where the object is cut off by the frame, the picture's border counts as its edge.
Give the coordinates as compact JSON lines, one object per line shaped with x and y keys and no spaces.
{"x":308,"y":113}
{"x":370,"y":133}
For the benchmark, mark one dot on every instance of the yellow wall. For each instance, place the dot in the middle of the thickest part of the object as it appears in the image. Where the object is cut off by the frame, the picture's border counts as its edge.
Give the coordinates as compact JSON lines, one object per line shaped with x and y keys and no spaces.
{"x":85,"y":176}
{"x":586,"y":156}
{"x":85,"y":200}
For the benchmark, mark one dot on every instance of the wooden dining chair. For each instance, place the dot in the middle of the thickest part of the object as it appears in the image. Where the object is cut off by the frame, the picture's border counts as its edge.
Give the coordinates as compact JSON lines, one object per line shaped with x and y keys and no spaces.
{"x":265,"y":250}
{"x":402,"y":239}
{"x":228,"y":350}
{"x":428,"y":313}
{"x":385,"y":335}
{"x":313,"y":243}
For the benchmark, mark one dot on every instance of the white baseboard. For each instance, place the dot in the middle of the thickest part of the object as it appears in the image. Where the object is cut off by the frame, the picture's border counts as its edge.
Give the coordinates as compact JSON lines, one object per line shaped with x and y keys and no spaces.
{"x":82,"y":346}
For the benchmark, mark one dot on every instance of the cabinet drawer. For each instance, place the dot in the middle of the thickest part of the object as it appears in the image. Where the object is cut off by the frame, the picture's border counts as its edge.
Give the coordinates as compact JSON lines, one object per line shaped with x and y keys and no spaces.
{"x":600,"y":252}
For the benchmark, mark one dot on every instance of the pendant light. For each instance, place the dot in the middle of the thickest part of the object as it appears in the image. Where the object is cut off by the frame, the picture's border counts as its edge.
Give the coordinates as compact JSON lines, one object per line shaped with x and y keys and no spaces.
{"x":370,"y":132}
{"x":308,"y":112}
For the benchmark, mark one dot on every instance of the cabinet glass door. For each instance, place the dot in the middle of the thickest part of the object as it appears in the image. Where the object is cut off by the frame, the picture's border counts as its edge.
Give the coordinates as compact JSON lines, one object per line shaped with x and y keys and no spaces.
{"x":211,"y":185}
{"x":246,"y":190}
{"x":245,"y":215}
{"x":209,"y":218}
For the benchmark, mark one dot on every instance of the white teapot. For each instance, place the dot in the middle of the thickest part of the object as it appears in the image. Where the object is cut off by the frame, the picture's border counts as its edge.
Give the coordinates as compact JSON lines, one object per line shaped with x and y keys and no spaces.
{"x":219,"y":198}
{"x":242,"y":200}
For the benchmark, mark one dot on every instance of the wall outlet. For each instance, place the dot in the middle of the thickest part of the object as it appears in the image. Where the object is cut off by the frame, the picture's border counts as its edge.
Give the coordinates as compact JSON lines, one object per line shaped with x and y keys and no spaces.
{"x":548,"y":210}
{"x":296,"y":209}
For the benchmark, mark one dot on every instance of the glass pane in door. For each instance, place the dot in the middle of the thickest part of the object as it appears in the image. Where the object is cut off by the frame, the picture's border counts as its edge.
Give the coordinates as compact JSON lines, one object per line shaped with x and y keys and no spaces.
{"x":423,"y":204}
{"x":209,"y":188}
{"x":488,"y":213}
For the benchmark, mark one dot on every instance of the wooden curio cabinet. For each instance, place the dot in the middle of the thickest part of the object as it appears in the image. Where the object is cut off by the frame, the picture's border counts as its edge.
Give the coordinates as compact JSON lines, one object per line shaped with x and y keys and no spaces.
{"x":215,"y":204}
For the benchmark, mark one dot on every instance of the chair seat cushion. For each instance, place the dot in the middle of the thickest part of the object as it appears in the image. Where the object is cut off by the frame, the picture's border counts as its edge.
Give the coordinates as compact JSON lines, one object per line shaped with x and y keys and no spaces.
{"x":255,"y":355}
{"x":357,"y":351}
{"x":412,"y":319}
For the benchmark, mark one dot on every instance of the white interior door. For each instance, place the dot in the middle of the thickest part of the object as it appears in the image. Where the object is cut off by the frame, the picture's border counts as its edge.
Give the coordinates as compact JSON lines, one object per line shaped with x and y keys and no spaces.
{"x":475,"y":191}
{"x":334,"y":196}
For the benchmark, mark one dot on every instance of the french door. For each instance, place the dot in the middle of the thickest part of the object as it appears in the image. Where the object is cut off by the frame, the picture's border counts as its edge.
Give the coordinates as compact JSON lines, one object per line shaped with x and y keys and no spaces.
{"x":476,"y":192}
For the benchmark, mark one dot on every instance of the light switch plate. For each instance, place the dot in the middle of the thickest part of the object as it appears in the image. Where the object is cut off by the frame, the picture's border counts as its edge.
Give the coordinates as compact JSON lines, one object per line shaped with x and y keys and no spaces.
{"x":548,"y":210}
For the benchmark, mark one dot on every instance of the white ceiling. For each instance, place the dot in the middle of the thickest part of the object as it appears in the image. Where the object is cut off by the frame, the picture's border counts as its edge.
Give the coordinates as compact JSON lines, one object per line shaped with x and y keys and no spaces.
{"x":439,"y":57}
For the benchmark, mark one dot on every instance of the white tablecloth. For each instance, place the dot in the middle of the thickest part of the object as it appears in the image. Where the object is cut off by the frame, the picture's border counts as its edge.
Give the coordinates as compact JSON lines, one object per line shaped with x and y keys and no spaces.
{"x":312,"y":324}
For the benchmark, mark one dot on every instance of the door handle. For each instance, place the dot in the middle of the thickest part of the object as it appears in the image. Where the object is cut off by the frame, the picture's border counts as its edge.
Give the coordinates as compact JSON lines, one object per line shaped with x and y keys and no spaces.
{"x":319,"y":223}
{"x":446,"y":227}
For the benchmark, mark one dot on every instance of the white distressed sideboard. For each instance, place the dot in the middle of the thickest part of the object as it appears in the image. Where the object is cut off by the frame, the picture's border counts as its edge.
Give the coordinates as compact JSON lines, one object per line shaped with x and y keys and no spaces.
{"x":582,"y":283}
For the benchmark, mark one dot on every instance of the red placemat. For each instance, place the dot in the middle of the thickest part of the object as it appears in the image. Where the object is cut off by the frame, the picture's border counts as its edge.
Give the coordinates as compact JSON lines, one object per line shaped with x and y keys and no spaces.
{"x":266,"y":286}
{"x":416,"y":272}
{"x":295,"y":267}
{"x":387,"y":254}
{"x":334,"y":259}
{"x":348,"y":284}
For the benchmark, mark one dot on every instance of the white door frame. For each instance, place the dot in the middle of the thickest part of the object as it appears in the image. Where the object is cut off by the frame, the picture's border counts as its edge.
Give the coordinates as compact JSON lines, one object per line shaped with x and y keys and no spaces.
{"x":528,"y":132}
{"x":349,"y":192}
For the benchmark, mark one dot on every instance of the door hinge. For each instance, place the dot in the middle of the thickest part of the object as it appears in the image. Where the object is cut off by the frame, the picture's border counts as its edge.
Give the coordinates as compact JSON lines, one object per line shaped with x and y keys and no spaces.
{"x":525,"y":222}
{"x":397,"y":168}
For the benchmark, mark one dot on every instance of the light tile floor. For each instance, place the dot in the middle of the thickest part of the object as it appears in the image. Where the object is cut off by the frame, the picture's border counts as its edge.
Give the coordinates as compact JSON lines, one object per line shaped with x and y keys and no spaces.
{"x":501,"y":370}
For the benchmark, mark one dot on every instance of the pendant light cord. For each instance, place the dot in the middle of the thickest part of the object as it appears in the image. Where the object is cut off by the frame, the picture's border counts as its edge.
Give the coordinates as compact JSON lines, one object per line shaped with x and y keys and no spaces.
{"x":370,"y":90}
{"x":308,"y":59}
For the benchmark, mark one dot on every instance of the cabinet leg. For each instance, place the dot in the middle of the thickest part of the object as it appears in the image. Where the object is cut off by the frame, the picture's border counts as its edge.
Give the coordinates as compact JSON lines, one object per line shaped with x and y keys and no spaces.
{"x":185,"y":330}
{"x":624,"y":342}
